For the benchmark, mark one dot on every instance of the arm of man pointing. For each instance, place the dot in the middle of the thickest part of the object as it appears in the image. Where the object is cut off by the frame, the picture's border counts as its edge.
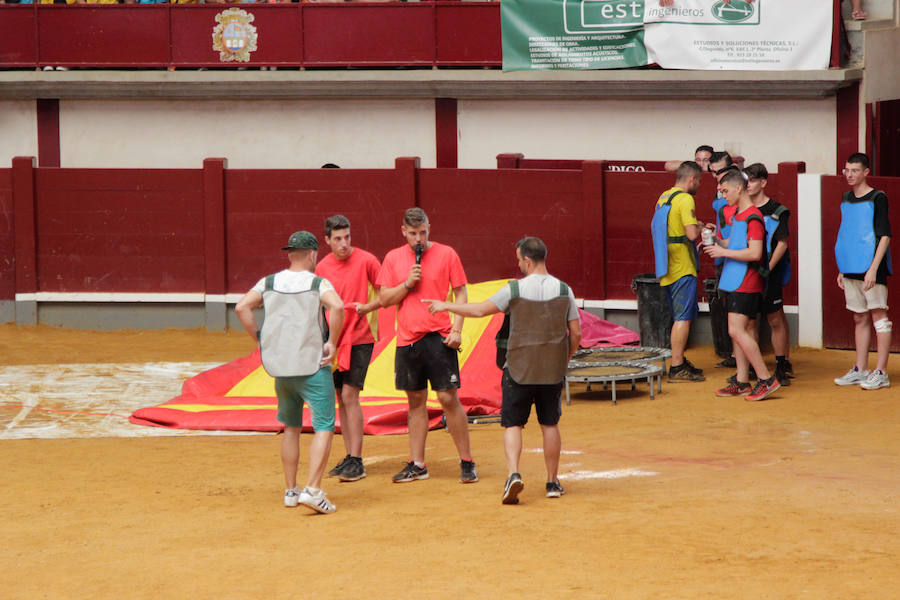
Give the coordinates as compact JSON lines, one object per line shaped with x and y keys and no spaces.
{"x":476,"y":309}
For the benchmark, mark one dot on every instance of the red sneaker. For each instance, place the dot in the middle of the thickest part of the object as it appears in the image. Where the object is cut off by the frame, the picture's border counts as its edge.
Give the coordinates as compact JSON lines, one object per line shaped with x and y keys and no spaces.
{"x":734,"y":389}
{"x":763,"y":389}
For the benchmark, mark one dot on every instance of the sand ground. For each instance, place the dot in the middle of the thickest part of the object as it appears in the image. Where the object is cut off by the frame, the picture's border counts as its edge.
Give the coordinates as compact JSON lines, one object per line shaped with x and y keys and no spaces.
{"x":687,"y":496}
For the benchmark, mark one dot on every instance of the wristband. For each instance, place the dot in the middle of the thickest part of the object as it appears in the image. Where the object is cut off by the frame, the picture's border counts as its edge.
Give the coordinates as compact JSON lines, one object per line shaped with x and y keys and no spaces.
{"x":406,"y":286}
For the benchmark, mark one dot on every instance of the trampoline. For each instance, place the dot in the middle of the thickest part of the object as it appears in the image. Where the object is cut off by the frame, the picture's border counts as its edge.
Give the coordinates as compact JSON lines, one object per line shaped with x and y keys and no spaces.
{"x":616,"y":354}
{"x":609,"y":373}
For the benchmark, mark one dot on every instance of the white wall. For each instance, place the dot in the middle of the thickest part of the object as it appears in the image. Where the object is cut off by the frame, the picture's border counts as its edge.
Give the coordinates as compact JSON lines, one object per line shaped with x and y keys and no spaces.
{"x":250,"y":133}
{"x":18,"y":130}
{"x":767,"y":131}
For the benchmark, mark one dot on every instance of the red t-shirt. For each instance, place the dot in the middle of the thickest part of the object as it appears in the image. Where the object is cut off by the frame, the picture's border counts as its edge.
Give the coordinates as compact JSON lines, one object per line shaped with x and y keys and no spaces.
{"x":441,"y":271}
{"x":753,"y":282}
{"x":351,"y":279}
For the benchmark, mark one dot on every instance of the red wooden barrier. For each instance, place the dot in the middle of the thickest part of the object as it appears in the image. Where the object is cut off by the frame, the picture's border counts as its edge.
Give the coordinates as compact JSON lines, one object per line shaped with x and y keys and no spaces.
{"x":217,"y":230}
{"x":18,"y":30}
{"x":838,"y":323}
{"x":518,"y":161}
{"x":265,"y":206}
{"x":119,"y":230}
{"x":482,"y":214}
{"x":427,"y":34}
{"x":7,"y":239}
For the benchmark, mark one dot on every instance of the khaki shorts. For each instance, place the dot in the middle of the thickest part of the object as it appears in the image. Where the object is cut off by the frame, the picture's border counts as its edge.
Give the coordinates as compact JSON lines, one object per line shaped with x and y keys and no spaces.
{"x":859,"y":300}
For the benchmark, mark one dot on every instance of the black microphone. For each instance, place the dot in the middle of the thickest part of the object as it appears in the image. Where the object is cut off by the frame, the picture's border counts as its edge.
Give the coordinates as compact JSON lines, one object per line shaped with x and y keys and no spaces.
{"x":419,"y":250}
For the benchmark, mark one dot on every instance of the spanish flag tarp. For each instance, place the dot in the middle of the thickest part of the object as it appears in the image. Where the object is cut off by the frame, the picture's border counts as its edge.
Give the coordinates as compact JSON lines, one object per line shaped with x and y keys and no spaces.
{"x":240,"y":396}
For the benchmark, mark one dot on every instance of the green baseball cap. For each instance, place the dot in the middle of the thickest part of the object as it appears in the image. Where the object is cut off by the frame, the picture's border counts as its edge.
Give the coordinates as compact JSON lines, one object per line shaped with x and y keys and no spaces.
{"x":302,"y":240}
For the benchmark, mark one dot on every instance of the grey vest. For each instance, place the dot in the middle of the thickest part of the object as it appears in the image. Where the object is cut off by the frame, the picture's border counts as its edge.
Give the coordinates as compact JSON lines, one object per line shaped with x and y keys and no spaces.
{"x":293,"y":331}
{"x":538,"y":345}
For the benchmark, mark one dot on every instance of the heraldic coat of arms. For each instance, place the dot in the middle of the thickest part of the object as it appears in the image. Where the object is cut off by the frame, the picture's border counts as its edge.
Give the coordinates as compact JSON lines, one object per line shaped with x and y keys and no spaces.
{"x":234,"y":36}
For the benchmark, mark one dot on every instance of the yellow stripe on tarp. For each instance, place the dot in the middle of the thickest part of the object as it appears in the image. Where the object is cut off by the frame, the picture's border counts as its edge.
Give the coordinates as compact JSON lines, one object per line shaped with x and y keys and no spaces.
{"x":380,"y":378}
{"x":197,"y":408}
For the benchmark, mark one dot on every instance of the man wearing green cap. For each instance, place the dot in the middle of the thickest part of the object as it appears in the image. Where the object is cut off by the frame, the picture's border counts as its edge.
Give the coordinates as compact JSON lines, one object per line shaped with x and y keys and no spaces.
{"x":296,"y":347}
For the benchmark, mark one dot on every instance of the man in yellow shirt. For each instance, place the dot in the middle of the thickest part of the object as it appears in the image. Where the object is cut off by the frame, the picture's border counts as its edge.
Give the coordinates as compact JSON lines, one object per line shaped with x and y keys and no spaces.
{"x":675,"y":229}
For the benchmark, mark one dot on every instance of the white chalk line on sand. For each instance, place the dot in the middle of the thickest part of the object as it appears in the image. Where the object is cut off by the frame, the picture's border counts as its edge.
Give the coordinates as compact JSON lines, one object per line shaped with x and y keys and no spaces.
{"x":614,"y":474}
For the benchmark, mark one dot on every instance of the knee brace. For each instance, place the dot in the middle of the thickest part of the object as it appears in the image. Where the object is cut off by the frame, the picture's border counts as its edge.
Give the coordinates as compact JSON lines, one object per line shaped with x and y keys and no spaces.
{"x":883,"y":325}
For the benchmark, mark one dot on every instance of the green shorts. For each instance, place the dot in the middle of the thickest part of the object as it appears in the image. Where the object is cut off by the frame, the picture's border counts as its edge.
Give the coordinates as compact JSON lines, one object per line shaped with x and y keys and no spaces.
{"x":317,"y":390}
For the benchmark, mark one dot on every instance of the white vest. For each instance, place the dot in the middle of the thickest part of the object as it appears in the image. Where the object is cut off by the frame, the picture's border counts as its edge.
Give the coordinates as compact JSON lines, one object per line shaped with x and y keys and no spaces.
{"x":293,"y":332}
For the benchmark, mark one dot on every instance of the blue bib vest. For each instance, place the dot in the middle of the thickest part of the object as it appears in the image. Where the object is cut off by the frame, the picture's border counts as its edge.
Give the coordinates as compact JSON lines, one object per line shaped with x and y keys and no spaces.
{"x":718,"y":206}
{"x":659,"y":232}
{"x":733,"y":271}
{"x":856,"y":243}
{"x":783,"y":268}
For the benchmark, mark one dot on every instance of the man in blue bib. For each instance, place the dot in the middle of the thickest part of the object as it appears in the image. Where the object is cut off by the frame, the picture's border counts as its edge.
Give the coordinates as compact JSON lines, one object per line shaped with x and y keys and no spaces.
{"x":674,"y":230}
{"x":863,"y":258}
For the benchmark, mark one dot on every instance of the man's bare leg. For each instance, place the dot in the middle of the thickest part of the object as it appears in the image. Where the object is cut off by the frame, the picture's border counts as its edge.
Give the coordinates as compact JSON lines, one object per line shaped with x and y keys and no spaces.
{"x":319,"y":450}
{"x":351,"y":420}
{"x":417,"y":420}
{"x":290,"y":455}
{"x":457,"y":422}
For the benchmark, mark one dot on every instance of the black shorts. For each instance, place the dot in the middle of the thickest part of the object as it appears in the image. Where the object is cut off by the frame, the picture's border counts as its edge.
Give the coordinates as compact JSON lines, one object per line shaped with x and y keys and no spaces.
{"x":427,"y":359}
{"x":518,"y":398}
{"x":745,"y":303}
{"x":360,"y":357}
{"x":773,"y":299}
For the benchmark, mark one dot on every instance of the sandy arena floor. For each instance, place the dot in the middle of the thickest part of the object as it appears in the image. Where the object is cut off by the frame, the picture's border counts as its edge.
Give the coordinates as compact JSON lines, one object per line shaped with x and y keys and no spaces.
{"x":688,"y":496}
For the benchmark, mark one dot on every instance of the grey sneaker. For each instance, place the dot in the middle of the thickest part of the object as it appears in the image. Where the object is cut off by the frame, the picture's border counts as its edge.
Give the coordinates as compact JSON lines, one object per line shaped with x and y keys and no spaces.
{"x":353,"y":469}
{"x":877,"y":379}
{"x":555,"y":489}
{"x":339,"y":467}
{"x":317,"y":500}
{"x":853,"y":377}
{"x":512,"y":488}
{"x":467,"y":472}
{"x":411,"y":473}
{"x":291,"y":497}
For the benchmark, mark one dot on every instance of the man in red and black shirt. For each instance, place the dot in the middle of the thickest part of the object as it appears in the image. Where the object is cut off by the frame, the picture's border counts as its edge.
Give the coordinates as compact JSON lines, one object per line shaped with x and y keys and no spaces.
{"x":741,"y":276}
{"x":427,"y":344}
{"x":353,"y":272}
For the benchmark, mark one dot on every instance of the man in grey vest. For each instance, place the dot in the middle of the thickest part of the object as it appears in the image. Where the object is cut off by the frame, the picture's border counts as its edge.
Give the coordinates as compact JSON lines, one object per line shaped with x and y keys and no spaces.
{"x":544,"y":334}
{"x":296,"y":348}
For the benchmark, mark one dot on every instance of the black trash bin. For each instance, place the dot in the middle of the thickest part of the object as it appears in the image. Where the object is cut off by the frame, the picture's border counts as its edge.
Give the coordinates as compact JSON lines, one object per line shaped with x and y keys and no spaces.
{"x":654,"y":314}
{"x":718,"y":318}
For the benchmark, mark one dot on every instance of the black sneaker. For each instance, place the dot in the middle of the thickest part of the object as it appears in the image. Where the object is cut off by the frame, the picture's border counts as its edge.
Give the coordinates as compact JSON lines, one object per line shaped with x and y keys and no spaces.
{"x":353,"y":469}
{"x":411,"y":473}
{"x":554,"y":489}
{"x":467,"y":472}
{"x":728,"y":363}
{"x":690,"y":367}
{"x":781,"y":376}
{"x":683,"y":373}
{"x":339,"y":467}
{"x":512,"y":488}
{"x":788,"y":369}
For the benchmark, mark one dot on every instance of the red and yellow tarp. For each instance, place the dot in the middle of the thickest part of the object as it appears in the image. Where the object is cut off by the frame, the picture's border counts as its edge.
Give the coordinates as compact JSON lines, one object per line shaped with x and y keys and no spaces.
{"x":240,"y":396}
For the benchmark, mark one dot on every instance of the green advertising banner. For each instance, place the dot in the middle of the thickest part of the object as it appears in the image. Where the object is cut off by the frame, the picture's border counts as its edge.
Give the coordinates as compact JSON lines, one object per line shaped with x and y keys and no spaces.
{"x":685,"y":34}
{"x":572,"y":34}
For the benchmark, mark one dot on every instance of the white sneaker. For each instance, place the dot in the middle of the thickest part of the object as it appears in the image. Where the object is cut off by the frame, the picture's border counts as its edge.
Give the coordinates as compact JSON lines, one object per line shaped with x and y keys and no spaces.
{"x":317,"y":500}
{"x":853,"y":377}
{"x":877,"y":379}
{"x":291,"y":497}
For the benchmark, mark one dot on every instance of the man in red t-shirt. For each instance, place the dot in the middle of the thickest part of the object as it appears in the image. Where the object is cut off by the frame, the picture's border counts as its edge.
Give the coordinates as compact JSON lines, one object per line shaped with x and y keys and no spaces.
{"x":427,"y":343}
{"x":744,"y":301}
{"x":353,"y":272}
